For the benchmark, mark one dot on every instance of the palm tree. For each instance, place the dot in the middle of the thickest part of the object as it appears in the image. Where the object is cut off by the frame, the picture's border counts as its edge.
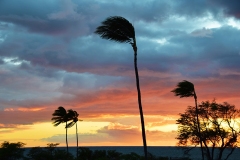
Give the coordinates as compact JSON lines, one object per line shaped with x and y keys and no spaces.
{"x":73,"y":117}
{"x":119,"y":29}
{"x":186,"y":89}
{"x":60,"y":116}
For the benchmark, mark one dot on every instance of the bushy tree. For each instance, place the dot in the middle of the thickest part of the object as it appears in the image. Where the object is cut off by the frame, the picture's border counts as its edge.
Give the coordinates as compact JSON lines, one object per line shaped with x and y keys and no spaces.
{"x":9,"y":151}
{"x":219,"y":128}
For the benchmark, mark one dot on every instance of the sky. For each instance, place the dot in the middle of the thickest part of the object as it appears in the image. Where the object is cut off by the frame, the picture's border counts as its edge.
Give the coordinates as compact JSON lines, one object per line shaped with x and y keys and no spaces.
{"x":50,"y":57}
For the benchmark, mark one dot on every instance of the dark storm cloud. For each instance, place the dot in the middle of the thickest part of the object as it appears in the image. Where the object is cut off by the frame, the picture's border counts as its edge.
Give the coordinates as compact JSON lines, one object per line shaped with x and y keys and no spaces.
{"x":194,"y":8}
{"x":230,"y":8}
{"x":76,"y":60}
{"x":146,"y":10}
{"x":38,"y":25}
{"x":55,"y":18}
{"x":61,"y":17}
{"x":28,"y":7}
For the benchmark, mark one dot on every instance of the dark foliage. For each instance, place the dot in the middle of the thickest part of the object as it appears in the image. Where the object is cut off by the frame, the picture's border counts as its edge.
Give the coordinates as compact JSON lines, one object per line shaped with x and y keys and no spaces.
{"x":51,"y":152}
{"x":73,"y":117}
{"x":116,"y":28}
{"x":219,"y":128}
{"x":48,"y":153}
{"x":184,"y":89}
{"x":10,"y":151}
{"x":59,"y":116}
{"x":86,"y":153}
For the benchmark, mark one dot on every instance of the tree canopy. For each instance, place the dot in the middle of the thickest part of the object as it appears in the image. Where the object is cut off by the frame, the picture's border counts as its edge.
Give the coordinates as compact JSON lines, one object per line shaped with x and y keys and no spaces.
{"x":10,"y":151}
{"x":219,"y":128}
{"x":118,"y":29}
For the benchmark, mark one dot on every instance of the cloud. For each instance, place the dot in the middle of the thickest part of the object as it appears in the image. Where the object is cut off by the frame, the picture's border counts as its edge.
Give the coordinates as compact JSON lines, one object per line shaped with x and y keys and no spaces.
{"x":11,"y":7}
{"x":111,"y":134}
{"x":68,"y":11}
{"x":202,"y":33}
{"x":11,"y":128}
{"x":19,"y":117}
{"x":231,"y":9}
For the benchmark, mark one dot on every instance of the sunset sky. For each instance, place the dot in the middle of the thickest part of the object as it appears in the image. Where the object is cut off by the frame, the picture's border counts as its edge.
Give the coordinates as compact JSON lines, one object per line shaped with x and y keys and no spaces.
{"x":50,"y":57}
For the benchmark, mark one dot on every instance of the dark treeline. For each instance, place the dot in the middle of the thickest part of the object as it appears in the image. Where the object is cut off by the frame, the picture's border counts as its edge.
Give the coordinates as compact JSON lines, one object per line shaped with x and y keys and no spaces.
{"x":15,"y":151}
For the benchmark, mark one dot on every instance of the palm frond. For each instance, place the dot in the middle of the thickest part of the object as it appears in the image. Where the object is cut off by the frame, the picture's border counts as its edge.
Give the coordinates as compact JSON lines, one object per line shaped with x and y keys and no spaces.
{"x":60,"y":111}
{"x":116,"y":28}
{"x":56,"y":123}
{"x":59,"y":116}
{"x":69,"y":125}
{"x":184,"y":89}
{"x":73,"y":117}
{"x":72,"y":114}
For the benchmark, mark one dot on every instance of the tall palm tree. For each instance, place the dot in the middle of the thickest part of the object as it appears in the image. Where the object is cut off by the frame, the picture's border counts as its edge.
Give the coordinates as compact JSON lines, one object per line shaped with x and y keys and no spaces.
{"x":186,"y":89}
{"x":73,"y":117}
{"x":60,"y":116}
{"x":119,"y":29}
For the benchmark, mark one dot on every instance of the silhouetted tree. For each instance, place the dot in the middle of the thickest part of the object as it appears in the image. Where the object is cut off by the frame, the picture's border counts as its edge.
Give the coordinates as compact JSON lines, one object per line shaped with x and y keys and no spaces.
{"x":73,"y":117}
{"x":9,"y":151}
{"x":51,"y":152}
{"x":219,"y":128}
{"x":186,"y":89}
{"x":51,"y":147}
{"x":60,"y":116}
{"x":119,"y":29}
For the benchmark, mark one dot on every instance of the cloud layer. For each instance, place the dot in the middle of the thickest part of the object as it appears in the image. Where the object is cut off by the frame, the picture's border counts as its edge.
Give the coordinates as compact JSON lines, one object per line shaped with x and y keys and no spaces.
{"x":50,"y":57}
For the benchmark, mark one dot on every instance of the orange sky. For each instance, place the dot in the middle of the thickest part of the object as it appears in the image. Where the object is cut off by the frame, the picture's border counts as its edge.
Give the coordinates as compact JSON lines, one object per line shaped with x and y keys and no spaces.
{"x":114,"y":122}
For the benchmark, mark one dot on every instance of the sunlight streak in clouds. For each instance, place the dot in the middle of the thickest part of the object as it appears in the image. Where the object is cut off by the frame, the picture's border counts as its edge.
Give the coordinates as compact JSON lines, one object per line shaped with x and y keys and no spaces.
{"x":161,"y":41}
{"x":121,"y":126}
{"x":164,"y":128}
{"x":14,"y":61}
{"x":234,"y":23}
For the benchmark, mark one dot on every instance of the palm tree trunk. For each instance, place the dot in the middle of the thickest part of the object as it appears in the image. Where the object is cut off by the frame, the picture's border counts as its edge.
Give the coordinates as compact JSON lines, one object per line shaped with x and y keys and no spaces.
{"x":198,"y":125}
{"x":139,"y":99}
{"x":66,"y":139}
{"x":77,"y":138}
